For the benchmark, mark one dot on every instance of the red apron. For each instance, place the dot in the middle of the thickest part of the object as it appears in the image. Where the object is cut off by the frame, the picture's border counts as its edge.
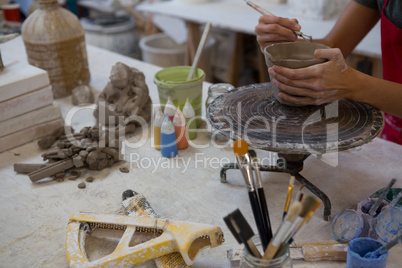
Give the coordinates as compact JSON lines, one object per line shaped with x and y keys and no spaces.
{"x":391,"y":46}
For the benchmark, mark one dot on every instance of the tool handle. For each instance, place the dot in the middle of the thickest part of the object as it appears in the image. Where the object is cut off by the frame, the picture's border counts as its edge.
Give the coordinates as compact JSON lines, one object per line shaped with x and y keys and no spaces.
{"x":265,"y":213}
{"x":258,"y":218}
{"x":322,"y":242}
{"x":318,"y":252}
{"x":373,"y":209}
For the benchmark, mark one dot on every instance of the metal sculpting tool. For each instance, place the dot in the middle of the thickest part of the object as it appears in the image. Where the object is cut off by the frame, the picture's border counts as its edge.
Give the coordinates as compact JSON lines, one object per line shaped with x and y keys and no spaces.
{"x":267,"y":13}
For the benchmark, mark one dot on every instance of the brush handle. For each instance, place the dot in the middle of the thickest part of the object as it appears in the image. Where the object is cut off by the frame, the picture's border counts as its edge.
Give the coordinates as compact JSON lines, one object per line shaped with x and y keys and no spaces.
{"x":258,"y":218}
{"x":265,"y":213}
{"x":373,"y":209}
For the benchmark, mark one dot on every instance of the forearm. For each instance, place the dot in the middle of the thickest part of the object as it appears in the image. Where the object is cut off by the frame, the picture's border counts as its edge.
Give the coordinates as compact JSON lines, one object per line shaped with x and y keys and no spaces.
{"x":382,"y":94}
{"x":351,"y":27}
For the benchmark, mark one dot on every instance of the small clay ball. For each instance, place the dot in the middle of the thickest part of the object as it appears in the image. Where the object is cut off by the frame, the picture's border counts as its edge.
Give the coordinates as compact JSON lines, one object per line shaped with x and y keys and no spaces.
{"x":124,"y":170}
{"x":59,"y":175}
{"x":90,"y":179}
{"x":82,"y":185}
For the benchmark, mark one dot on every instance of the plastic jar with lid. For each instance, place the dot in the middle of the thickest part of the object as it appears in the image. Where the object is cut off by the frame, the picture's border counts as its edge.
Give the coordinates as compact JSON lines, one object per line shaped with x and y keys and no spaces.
{"x":215,"y":91}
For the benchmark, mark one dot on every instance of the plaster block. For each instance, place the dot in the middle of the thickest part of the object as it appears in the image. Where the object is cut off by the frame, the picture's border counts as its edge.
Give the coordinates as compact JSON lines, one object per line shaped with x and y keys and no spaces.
{"x":29,"y":134}
{"x":19,"y":78}
{"x":26,"y":103}
{"x":30,"y":119}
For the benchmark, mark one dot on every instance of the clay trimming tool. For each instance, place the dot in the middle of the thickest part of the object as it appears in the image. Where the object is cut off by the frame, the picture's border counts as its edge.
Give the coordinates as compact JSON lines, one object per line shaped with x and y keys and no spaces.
{"x":267,"y":13}
{"x":168,"y":237}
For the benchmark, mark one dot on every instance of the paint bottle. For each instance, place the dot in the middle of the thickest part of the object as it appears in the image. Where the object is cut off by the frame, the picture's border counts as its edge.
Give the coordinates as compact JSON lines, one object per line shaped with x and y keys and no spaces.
{"x":157,"y":128}
{"x":189,"y":116}
{"x":168,"y":138}
{"x":180,"y":129}
{"x":170,"y":109}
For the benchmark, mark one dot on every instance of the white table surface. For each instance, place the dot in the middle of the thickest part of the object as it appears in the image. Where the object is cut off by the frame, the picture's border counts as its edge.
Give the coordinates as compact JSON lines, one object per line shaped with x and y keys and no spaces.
{"x":237,"y":16}
{"x":34,"y":216}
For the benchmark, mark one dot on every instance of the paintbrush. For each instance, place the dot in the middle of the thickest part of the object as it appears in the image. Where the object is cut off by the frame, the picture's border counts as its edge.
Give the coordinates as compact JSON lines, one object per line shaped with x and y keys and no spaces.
{"x":240,"y":149}
{"x":242,"y":231}
{"x":300,"y":195}
{"x":286,"y":232}
{"x":289,"y":238}
{"x":289,"y":195}
{"x":373,"y":210}
{"x":261,"y":195}
{"x":276,"y":241}
{"x":267,"y":13}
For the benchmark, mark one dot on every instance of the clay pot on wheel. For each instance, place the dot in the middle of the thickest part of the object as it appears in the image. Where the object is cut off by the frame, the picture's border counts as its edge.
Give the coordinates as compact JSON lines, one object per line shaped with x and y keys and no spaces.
{"x":292,"y":55}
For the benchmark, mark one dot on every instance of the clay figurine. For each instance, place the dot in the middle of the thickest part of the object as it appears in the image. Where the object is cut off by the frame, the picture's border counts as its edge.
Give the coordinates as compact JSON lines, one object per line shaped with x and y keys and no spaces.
{"x":124,"y":98}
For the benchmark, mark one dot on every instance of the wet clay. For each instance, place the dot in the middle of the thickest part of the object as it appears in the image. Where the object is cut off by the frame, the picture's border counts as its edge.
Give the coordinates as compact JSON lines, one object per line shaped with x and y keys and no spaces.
{"x":82,"y":185}
{"x":90,"y":179}
{"x":293,"y":55}
{"x":90,"y":148}
{"x":125,"y":97}
{"x":124,"y":170}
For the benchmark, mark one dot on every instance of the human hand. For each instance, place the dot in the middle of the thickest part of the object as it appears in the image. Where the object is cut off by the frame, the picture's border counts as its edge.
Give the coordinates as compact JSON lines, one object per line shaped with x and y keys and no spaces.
{"x":272,"y":29}
{"x":317,"y":84}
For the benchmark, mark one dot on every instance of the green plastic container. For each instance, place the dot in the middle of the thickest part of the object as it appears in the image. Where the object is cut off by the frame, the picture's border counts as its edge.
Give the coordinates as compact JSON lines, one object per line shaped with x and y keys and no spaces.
{"x":171,"y":81}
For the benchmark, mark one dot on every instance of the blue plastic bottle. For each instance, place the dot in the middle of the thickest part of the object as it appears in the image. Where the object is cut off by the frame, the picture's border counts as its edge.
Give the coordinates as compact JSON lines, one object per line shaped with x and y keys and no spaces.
{"x":168,"y":138}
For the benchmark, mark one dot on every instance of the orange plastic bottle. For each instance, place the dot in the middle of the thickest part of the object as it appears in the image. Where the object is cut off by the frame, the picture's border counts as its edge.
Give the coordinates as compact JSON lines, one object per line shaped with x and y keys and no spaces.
{"x":179,"y":123}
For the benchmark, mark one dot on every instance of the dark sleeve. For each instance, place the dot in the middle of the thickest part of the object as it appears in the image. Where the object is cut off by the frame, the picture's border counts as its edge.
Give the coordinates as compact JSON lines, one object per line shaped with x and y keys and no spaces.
{"x":368,"y":3}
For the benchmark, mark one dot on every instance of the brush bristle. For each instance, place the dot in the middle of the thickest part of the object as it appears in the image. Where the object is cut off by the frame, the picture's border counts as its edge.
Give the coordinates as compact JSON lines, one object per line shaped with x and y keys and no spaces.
{"x":292,"y":180}
{"x":294,"y":210}
{"x":252,"y":154}
{"x":308,"y":204}
{"x":240,"y":147}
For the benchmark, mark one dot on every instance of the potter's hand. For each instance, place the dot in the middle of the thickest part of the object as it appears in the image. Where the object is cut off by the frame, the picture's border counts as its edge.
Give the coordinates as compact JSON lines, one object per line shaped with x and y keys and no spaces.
{"x":271,"y":29}
{"x":317,"y":84}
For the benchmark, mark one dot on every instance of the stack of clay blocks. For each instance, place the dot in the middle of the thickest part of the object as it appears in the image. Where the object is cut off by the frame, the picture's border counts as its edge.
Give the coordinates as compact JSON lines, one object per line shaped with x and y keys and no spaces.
{"x":27,"y":111}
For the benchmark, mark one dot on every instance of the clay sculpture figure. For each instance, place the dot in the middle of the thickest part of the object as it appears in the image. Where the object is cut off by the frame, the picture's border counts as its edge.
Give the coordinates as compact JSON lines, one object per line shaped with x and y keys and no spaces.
{"x":124,"y":100}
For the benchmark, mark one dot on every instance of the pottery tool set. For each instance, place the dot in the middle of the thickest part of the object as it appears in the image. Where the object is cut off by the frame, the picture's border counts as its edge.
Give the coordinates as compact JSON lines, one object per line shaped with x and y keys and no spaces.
{"x":27,"y":111}
{"x":299,"y":213}
{"x":267,"y":13}
{"x":141,"y":236}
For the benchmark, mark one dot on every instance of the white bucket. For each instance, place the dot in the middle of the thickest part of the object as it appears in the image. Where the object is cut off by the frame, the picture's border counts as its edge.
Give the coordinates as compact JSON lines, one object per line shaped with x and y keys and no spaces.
{"x":161,"y":50}
{"x":120,"y":37}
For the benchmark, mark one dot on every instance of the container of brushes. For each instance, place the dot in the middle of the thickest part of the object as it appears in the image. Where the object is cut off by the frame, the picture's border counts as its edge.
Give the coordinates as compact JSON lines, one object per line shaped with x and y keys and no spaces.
{"x":250,"y":261}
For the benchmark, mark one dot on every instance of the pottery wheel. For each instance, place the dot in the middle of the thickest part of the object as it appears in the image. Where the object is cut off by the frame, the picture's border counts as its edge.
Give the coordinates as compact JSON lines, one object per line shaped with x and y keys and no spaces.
{"x":253,"y":114}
